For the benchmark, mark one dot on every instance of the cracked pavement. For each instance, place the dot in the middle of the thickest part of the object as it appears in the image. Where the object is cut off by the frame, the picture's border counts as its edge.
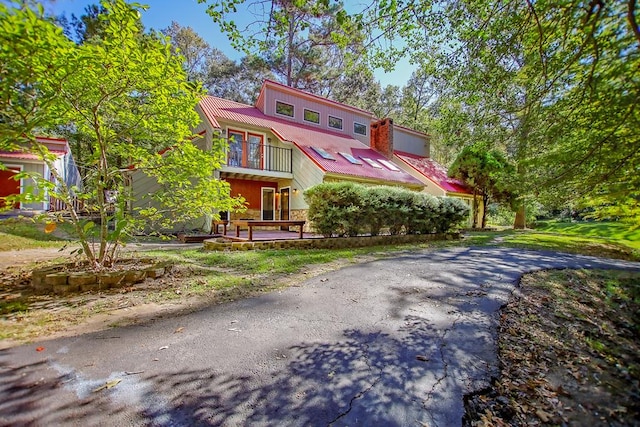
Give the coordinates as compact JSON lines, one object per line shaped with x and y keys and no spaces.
{"x":394,"y":342}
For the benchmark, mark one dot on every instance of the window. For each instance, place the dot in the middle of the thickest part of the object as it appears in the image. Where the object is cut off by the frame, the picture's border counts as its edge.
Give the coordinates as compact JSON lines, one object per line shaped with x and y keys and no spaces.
{"x":284,"y":109}
{"x":311,"y":116}
{"x":236,"y":142}
{"x":371,"y":163}
{"x":254,"y":151}
{"x":389,"y":165}
{"x":351,"y":159}
{"x":359,"y":128}
{"x":335,"y":122}
{"x":323,"y":153}
{"x":268,"y":204}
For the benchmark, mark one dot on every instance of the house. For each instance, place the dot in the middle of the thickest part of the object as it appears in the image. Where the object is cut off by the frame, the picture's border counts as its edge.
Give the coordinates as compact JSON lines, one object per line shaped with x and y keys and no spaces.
{"x":410,"y":150}
{"x":24,"y":161}
{"x":291,"y":140}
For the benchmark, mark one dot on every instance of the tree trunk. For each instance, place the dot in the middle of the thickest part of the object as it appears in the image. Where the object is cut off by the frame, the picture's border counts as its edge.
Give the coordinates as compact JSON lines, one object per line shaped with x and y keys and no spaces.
{"x":520,"y":222}
{"x":475,"y":208}
{"x":485,"y":199}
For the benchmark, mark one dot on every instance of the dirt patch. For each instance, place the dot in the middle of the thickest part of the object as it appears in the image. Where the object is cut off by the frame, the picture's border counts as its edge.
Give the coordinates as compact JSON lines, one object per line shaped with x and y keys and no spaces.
{"x":569,"y":349}
{"x":27,"y":317}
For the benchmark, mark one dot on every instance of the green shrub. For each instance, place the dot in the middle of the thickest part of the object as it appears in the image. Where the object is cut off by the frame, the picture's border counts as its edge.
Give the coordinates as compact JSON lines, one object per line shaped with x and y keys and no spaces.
{"x":349,"y":209}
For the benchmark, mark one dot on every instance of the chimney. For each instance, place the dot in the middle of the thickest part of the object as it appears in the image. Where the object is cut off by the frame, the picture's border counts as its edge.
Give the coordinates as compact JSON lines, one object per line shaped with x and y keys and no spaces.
{"x":382,"y":137}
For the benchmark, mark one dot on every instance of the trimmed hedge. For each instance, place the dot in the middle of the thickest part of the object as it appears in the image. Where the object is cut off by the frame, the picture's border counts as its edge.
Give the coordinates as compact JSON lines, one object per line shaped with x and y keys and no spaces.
{"x":350,"y":209}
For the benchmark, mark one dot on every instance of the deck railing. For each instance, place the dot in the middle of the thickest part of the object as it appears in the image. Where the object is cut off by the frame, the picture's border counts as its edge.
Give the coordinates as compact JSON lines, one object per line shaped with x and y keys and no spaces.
{"x":57,"y":205}
{"x":259,"y":156}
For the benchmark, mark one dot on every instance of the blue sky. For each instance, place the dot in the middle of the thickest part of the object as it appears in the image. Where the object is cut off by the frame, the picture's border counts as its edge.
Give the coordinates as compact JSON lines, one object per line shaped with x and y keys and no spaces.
{"x":189,"y":13}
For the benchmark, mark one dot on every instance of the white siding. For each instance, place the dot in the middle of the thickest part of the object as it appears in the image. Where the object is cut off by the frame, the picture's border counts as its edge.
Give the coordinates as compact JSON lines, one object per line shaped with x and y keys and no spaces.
{"x":40,"y":169}
{"x":410,"y":142}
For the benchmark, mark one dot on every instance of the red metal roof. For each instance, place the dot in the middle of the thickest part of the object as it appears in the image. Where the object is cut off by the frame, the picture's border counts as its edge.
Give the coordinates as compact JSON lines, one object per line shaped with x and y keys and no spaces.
{"x":304,"y":137}
{"x":56,"y":146}
{"x":27,"y":156}
{"x":435,"y":172}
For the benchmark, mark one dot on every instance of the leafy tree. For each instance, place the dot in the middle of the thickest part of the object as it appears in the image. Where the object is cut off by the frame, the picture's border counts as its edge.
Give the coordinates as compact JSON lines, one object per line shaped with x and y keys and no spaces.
{"x":301,"y":43}
{"x":129,"y":95}
{"x":488,"y":173}
{"x":86,"y":26}
{"x":552,"y":84}
{"x":193,"y":48}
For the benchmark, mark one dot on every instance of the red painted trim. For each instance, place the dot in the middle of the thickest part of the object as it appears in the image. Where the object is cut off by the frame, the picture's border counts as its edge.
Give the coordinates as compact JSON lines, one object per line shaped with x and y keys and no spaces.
{"x":261,"y":136}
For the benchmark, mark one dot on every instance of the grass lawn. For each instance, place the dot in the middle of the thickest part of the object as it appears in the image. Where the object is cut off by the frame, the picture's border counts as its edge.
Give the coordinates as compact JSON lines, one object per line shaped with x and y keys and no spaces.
{"x":612,"y":231}
{"x":604,"y":239}
{"x":18,"y":233}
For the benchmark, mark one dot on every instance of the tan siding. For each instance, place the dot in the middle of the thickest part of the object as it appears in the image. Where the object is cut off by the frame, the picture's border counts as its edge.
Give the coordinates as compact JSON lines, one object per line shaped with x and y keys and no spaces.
{"x":306,"y":175}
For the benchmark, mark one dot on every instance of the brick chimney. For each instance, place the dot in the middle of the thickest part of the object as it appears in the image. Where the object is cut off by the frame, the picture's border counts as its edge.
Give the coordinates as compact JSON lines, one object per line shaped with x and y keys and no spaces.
{"x":382,"y":137}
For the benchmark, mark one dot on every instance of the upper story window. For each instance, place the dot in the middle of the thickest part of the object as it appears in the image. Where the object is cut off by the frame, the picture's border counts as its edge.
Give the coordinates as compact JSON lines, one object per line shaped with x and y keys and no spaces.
{"x":359,"y":128}
{"x":284,"y":109}
{"x":311,"y":116}
{"x":335,"y":122}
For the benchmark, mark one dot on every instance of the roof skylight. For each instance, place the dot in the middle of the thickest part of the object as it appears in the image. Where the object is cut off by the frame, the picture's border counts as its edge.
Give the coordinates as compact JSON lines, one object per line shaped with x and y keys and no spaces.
{"x":389,"y":165}
{"x":371,"y":163}
{"x":350,"y":158}
{"x":323,"y":153}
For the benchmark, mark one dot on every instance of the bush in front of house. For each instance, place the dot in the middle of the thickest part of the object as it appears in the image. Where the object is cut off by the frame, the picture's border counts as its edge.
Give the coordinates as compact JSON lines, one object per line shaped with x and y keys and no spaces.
{"x":350,"y":209}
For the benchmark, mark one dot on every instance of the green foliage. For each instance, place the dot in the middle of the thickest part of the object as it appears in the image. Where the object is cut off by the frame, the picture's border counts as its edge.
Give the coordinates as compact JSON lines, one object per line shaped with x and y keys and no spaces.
{"x":125,"y":93}
{"x":487,"y":172}
{"x":349,"y":209}
{"x":553,"y":85}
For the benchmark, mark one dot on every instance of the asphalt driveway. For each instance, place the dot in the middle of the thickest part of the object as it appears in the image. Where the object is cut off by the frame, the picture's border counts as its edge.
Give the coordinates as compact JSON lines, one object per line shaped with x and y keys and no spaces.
{"x":393,"y":342}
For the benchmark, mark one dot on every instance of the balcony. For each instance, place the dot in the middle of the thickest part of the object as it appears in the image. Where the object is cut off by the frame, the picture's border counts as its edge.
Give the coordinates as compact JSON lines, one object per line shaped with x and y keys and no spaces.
{"x":258,"y":156}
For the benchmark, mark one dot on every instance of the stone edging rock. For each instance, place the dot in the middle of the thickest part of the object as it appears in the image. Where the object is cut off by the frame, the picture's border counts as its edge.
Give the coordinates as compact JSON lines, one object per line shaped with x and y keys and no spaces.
{"x":219,"y":244}
{"x":55,"y":279}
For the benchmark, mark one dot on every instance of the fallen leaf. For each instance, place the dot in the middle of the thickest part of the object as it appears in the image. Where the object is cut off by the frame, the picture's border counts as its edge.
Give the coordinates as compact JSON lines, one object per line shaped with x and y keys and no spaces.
{"x":108,"y":385}
{"x":544,"y":416}
{"x":180,"y":329}
{"x":39,"y":349}
{"x":50,"y":227}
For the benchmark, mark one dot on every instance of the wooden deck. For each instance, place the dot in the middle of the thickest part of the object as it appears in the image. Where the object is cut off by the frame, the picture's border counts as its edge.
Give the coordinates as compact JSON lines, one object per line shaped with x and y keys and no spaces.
{"x":269,"y":235}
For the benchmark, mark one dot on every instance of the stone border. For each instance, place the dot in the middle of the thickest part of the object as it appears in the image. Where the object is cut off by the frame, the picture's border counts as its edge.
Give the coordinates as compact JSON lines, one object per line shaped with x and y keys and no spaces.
{"x":55,"y":280}
{"x":326,"y":243}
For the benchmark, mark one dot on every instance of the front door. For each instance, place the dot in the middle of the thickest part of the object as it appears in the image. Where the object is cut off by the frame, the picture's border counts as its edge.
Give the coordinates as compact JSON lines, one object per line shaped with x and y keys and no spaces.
{"x":268,"y":204}
{"x":284,"y":205}
{"x":8,"y":185}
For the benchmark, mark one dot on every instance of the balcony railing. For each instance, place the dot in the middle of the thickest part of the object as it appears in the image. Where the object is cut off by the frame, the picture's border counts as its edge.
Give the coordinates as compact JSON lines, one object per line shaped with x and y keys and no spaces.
{"x":259,"y":156}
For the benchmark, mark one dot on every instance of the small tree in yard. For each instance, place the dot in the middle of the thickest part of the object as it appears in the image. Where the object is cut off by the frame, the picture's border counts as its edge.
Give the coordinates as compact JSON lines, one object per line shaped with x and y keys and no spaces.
{"x":488,"y":173}
{"x":128,"y":95}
